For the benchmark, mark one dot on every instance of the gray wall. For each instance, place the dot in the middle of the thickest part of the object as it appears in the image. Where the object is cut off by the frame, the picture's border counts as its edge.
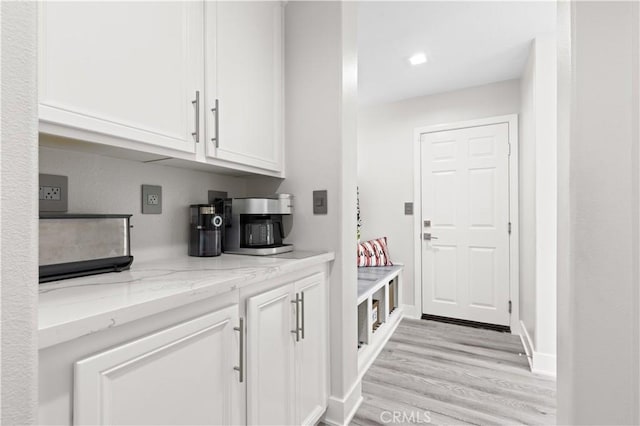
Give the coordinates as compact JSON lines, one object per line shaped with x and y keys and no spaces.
{"x":100,"y":184}
{"x":321,"y":56}
{"x":599,"y":380}
{"x":19,"y":212}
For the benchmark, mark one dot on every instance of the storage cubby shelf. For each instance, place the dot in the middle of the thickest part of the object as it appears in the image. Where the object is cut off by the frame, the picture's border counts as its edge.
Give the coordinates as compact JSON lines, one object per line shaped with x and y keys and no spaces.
{"x":379,"y":290}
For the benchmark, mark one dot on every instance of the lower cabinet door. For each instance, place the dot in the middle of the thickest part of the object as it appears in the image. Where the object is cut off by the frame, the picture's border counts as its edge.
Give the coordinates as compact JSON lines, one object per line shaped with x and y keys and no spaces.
{"x":181,"y":375}
{"x":271,"y":358}
{"x":312,"y":350}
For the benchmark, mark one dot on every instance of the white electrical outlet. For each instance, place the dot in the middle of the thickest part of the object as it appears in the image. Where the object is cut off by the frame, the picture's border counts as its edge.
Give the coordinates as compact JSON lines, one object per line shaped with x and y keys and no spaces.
{"x":151,"y":199}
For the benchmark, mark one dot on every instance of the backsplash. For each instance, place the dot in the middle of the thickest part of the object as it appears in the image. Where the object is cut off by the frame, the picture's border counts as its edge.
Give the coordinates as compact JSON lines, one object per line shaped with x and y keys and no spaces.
{"x":100,"y":184}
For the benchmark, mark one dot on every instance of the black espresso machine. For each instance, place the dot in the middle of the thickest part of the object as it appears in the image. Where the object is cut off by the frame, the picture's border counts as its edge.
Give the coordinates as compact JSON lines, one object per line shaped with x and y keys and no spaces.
{"x":205,"y":229}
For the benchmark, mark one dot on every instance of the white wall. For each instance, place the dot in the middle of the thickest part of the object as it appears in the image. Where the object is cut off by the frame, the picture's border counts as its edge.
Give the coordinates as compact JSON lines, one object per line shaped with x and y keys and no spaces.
{"x":527,"y":205}
{"x":321,"y":82}
{"x":100,"y":184}
{"x":18,"y":217}
{"x":385,"y":159}
{"x":538,"y":203}
{"x":600,"y":383}
{"x":546,"y":204}
{"x":564,"y":380}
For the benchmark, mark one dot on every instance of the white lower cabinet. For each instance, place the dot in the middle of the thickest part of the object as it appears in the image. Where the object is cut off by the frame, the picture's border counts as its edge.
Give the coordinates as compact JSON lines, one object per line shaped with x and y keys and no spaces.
{"x":181,"y":375}
{"x":200,"y":364}
{"x":287,"y":353}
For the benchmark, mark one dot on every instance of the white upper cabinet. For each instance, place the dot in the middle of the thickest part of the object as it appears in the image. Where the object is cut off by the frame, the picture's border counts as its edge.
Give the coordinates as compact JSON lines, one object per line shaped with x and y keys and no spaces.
{"x":244,"y":73}
{"x":122,"y":73}
{"x":126,"y":74}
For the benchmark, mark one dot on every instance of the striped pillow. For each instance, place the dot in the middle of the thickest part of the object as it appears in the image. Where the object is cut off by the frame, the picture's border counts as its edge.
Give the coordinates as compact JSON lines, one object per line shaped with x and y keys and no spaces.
{"x":374,"y":253}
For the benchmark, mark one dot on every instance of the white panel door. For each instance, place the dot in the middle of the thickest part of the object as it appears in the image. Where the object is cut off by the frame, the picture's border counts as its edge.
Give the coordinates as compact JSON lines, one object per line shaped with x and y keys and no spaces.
{"x":312,"y":350}
{"x":129,"y":70}
{"x":271,"y":358}
{"x":465,"y":196}
{"x":182,"y":375}
{"x":244,"y":71}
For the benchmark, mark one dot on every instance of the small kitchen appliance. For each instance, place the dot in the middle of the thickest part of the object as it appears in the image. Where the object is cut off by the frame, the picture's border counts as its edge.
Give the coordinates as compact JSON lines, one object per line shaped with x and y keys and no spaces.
{"x":205,"y":234}
{"x":257,"y":226}
{"x":75,"y":245}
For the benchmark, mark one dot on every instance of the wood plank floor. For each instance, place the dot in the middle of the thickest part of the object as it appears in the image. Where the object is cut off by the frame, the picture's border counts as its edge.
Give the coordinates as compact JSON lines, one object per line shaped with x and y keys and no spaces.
{"x":458,"y":375}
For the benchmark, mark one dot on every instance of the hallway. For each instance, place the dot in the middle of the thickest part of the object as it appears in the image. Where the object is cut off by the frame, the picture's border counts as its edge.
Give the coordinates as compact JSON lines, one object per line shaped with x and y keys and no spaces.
{"x":431,"y":372}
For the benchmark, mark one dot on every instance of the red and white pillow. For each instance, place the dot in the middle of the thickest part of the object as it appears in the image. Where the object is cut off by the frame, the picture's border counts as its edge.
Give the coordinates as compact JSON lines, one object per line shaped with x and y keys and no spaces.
{"x":374,"y":253}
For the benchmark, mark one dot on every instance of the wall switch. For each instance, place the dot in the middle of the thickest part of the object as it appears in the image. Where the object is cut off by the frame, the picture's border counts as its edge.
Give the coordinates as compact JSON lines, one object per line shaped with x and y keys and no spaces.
{"x":320,"y":202}
{"x":151,"y":199}
{"x":408,"y":209}
{"x":52,"y":194}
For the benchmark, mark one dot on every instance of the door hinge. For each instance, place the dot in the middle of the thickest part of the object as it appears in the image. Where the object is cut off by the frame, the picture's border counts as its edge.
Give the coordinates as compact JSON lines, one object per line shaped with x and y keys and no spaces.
{"x":509,"y":155}
{"x":509,"y":306}
{"x":509,"y":228}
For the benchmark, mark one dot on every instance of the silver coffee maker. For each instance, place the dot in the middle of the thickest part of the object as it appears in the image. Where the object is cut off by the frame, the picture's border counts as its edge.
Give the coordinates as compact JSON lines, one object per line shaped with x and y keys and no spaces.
{"x":257,"y":226}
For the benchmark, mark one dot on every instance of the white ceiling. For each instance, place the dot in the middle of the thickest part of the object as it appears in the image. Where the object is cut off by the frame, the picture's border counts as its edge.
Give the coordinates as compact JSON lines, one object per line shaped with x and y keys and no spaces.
{"x":467,"y":44}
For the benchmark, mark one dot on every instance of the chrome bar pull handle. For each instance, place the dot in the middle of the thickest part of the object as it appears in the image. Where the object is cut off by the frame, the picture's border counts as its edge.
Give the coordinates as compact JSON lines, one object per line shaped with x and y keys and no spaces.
{"x":196,"y":104}
{"x":216,"y":116}
{"x":240,"y":367}
{"x":297,"y":329}
{"x":302,"y":311}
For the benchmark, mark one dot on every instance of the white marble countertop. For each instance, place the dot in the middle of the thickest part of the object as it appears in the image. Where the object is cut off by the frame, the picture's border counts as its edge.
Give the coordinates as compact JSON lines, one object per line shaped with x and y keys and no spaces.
{"x":76,"y":307}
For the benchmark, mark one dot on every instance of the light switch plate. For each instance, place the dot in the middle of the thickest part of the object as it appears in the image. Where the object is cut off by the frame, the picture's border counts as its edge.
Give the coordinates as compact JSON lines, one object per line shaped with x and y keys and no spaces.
{"x":151,"y":199}
{"x":408,"y":209}
{"x":53,"y":193}
{"x":320,"y":202}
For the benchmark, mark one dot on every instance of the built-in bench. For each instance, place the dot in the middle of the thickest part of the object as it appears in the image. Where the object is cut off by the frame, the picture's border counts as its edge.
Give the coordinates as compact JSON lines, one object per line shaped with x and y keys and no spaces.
{"x":379,"y":310}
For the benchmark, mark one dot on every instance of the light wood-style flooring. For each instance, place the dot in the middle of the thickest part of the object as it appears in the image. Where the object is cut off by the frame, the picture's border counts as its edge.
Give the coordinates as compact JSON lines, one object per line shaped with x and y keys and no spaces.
{"x":458,"y":375}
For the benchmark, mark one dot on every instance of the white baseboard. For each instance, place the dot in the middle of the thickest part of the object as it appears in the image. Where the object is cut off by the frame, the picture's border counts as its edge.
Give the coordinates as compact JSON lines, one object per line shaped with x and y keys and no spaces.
{"x":340,"y":411}
{"x":539,"y":362}
{"x":544,"y":364}
{"x":411,"y":311}
{"x":527,"y":343}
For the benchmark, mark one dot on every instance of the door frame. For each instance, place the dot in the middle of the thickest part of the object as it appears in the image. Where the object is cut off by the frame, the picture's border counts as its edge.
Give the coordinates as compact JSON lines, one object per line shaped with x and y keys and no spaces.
{"x":514,"y":242}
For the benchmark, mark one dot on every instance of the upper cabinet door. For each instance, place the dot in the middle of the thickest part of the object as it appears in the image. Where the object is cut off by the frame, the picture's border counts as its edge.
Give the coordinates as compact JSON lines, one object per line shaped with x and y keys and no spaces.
{"x":244,"y":72}
{"x":122,"y":70}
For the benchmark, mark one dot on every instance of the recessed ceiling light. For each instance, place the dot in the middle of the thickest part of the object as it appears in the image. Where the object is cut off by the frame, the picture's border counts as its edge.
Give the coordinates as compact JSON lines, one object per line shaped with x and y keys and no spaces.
{"x":418,"y":58}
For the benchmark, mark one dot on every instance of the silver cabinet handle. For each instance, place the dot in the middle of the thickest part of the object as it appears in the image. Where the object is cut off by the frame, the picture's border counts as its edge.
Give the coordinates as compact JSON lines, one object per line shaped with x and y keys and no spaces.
{"x":240,"y":367}
{"x":196,"y":104}
{"x":297,"y":329}
{"x":216,"y":115}
{"x":302,"y":302}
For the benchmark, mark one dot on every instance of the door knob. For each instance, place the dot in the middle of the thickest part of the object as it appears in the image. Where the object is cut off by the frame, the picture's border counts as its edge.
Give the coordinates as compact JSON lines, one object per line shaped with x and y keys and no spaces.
{"x":428,"y":237}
